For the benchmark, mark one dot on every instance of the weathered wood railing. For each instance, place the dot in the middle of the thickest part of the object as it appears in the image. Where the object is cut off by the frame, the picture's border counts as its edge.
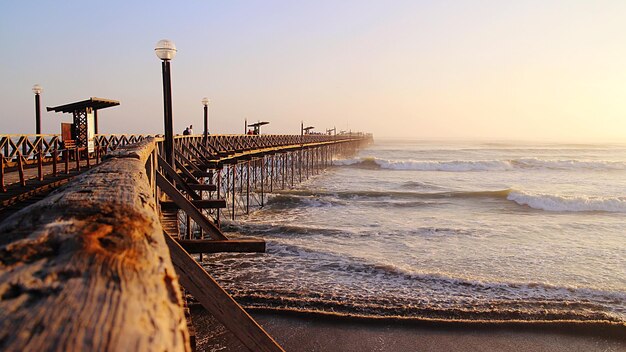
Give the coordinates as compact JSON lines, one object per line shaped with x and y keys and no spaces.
{"x":20,"y":152}
{"x":90,"y":267}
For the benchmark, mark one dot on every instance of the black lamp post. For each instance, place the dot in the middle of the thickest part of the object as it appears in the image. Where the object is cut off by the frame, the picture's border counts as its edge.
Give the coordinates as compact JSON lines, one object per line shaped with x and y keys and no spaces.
{"x":206,"y":102}
{"x":166,"y":50}
{"x":37,"y":90}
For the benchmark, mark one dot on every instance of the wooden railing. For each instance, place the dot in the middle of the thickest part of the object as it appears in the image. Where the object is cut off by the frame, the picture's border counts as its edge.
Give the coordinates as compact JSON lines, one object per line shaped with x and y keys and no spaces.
{"x":85,"y":269}
{"x":98,"y":265}
{"x":20,"y":152}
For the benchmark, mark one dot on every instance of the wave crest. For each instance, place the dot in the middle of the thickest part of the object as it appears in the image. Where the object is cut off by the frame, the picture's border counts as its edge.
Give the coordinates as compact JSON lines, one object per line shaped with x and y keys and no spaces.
{"x":539,"y":201}
{"x":480,"y":165}
{"x":550,"y":202}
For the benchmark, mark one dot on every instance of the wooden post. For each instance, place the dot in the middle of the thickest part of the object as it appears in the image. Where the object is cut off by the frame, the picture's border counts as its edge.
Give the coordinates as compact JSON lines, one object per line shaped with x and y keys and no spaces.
{"x":283,"y":166}
{"x":232,"y":215}
{"x":66,"y":153}
{"x":77,"y":157}
{"x":40,"y":163}
{"x":54,"y":161}
{"x":272,"y":174}
{"x":248,"y":187}
{"x":4,"y":188}
{"x":20,"y":168}
{"x":218,"y":182}
{"x":300,"y":165}
{"x":293,"y":167}
{"x":188,"y":232}
{"x":262,"y":179}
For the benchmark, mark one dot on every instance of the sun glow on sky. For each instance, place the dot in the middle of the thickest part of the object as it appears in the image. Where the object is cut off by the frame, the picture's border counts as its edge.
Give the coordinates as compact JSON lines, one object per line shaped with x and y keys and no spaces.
{"x":487,"y":70}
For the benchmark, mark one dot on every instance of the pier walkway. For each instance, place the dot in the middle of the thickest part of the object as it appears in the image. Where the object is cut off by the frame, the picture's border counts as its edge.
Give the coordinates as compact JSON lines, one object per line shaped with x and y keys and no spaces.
{"x":98,"y":264}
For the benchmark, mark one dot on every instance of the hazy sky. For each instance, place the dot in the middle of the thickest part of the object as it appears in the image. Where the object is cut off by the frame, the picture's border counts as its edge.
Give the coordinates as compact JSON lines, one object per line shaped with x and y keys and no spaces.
{"x":490,"y":70}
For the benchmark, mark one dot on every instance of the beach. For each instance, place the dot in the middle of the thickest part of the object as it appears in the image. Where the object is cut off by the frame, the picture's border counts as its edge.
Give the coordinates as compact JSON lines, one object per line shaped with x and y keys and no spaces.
{"x":306,"y":333}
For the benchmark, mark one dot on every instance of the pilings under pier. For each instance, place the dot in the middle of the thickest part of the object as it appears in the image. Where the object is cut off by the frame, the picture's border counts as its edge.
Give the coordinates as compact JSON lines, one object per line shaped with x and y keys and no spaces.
{"x":244,"y":178}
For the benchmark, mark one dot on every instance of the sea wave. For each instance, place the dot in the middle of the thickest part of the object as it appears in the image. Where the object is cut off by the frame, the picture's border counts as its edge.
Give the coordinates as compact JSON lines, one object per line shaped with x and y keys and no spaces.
{"x":355,"y":290}
{"x":355,"y":195}
{"x":568,"y":164}
{"x":538,"y":201}
{"x":285,"y":201}
{"x":561,"y":203}
{"x":283,"y":230}
{"x":480,"y":165}
{"x":427,"y":165}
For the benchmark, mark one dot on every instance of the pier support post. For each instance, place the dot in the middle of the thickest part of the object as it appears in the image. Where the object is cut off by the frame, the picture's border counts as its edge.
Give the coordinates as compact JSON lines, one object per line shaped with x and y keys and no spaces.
{"x":234,"y":172}
{"x":262,"y":179}
{"x":248,"y":187}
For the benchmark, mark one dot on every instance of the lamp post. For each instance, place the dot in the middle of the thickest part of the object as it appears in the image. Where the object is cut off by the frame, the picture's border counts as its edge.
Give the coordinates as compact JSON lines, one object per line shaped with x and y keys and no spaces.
{"x":37,"y":90}
{"x":166,"y":50}
{"x":205,"y":102}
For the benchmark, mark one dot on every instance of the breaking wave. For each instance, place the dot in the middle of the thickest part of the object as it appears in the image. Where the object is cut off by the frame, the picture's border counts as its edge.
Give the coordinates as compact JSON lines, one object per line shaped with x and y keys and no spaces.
{"x":539,"y":201}
{"x":480,"y":165}
{"x":452,"y":166}
{"x":356,"y":291}
{"x":550,"y":202}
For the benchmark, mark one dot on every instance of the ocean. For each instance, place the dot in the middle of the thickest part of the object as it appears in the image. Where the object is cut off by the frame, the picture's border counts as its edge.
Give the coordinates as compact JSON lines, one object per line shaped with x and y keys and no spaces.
{"x":444,"y":231}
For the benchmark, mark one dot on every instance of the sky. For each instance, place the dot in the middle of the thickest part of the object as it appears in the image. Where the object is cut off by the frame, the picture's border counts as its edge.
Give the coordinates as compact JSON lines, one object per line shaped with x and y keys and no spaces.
{"x":445,"y":70}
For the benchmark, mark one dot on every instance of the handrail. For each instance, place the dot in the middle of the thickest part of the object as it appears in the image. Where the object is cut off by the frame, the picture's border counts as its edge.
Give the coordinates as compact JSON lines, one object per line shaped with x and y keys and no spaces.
{"x":19,"y":152}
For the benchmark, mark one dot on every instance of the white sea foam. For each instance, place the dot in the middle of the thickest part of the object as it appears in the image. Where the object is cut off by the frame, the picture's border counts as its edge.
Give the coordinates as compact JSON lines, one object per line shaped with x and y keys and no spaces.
{"x":429,"y":165}
{"x":454,"y":166}
{"x":347,"y":162}
{"x":550,"y":202}
{"x":569,"y":164}
{"x":482,"y":165}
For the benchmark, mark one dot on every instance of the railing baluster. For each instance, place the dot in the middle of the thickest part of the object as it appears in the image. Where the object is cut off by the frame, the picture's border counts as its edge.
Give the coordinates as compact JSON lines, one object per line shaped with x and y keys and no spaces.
{"x":4,"y":189}
{"x":40,"y":163}
{"x":66,"y":153}
{"x":77,"y":157}
{"x":20,"y":168}
{"x":54,"y":162}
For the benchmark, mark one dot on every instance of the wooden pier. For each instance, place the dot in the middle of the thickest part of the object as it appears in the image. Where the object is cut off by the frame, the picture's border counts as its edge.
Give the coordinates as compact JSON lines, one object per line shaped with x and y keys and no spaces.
{"x":98,"y":264}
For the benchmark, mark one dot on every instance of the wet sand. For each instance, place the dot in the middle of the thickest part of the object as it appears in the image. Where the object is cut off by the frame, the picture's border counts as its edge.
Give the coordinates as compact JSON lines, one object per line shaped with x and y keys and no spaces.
{"x":318,"y":333}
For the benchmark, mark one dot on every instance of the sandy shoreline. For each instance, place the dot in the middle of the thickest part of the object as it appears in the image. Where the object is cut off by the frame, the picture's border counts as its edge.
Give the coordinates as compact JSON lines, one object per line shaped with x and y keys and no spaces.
{"x":318,"y":333}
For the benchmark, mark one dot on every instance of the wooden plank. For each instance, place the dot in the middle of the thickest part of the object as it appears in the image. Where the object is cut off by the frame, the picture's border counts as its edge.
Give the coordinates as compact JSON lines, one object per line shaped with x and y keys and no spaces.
{"x":218,"y":302}
{"x":201,"y":187}
{"x":87,"y":269}
{"x":216,"y":246}
{"x":200,"y":204}
{"x":189,"y":208}
{"x":202,"y":174}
